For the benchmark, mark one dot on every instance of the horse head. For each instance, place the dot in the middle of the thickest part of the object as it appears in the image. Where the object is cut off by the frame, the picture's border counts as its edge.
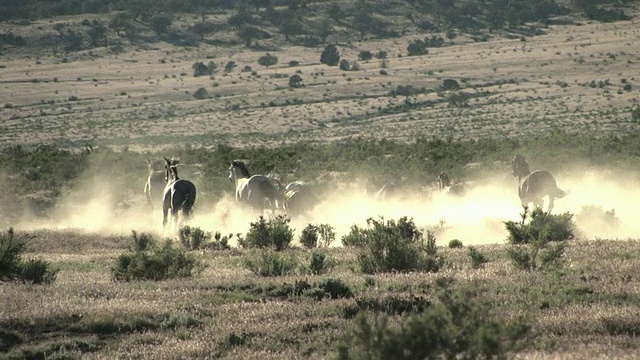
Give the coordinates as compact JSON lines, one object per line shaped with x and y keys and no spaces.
{"x":238,"y":170}
{"x":443,"y":180}
{"x":171,"y":169}
{"x":520,"y":167}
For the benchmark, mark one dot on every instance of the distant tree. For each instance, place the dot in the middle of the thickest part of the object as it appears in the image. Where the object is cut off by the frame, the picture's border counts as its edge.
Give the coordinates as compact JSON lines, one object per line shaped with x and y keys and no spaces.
{"x":363,"y":21}
{"x":417,"y":47}
{"x":365,"y":55}
{"x":344,"y":65}
{"x":260,"y":4}
{"x":289,"y":24}
{"x":330,"y":55}
{"x":160,"y":24}
{"x":203,"y":28}
{"x":268,"y":60}
{"x":335,"y":12}
{"x":97,"y":34}
{"x":119,"y":23}
{"x":323,"y":29}
{"x":295,"y":81}
{"x":202,"y":69}
{"x":249,"y":33}
{"x":73,"y":41}
{"x":381,"y":55}
{"x":240,"y":19}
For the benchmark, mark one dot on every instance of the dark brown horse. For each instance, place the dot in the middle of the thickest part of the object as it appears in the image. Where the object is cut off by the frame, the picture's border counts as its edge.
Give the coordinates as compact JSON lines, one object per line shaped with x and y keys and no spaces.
{"x":446,"y":187}
{"x":179,"y":194}
{"x":534,"y":186}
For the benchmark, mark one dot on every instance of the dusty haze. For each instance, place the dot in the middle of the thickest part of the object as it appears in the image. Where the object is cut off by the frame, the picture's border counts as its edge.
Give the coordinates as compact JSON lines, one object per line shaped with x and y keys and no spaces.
{"x":476,"y":218}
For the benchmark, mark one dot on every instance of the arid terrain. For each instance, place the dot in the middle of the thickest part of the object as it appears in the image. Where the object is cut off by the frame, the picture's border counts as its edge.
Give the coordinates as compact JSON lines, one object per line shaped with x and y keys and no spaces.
{"x":84,"y":121}
{"x":578,"y":77}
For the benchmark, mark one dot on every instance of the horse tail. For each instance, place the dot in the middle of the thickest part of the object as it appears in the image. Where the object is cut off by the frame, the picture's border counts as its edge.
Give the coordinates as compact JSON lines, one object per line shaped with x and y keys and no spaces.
{"x":559,"y":193}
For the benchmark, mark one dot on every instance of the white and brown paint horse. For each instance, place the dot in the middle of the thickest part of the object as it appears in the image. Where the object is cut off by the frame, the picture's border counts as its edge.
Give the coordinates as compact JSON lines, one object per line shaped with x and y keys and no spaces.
{"x":179,"y":195}
{"x":257,"y":191}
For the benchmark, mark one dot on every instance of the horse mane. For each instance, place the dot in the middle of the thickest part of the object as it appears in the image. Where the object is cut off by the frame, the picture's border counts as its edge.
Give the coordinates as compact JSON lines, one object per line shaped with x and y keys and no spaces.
{"x":521,"y":165}
{"x":242,"y":167}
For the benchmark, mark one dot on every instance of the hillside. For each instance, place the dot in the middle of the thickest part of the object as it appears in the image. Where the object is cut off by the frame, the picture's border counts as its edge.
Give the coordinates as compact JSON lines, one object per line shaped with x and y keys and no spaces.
{"x":66,"y":85}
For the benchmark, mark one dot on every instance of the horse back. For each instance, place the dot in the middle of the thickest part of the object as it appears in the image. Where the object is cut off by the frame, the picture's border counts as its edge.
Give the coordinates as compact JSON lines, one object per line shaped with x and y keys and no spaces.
{"x":538,"y":184}
{"x":180,"y":194}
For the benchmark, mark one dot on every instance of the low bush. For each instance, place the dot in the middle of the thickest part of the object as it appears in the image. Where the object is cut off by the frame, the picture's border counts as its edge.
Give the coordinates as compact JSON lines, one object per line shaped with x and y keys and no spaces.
{"x":219,"y":242}
{"x":531,"y":240}
{"x":148,"y":261}
{"x":477,"y":258}
{"x":319,"y":263}
{"x":271,"y":263}
{"x":13,"y":267}
{"x":317,"y":236}
{"x":193,"y":238}
{"x":542,"y":226}
{"x":455,"y":244}
{"x":457,"y":326}
{"x":394,"y":246}
{"x":273,"y":233}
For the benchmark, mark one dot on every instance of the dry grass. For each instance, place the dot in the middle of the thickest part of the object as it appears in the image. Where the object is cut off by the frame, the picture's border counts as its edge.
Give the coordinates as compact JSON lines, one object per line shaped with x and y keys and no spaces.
{"x":143,"y":97}
{"x":586,"y":308}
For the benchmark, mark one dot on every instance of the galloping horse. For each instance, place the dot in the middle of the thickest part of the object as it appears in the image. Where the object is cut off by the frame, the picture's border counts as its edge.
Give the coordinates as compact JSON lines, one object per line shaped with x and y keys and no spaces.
{"x":154,"y":186}
{"x":298,"y":198}
{"x":179,"y":194}
{"x":447,"y":188}
{"x":534,"y":186}
{"x":257,"y":191}
{"x":387,"y":190}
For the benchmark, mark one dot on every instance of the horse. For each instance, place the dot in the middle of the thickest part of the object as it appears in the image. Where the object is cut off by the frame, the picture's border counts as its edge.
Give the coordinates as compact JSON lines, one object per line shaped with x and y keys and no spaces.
{"x":257,"y":191}
{"x":179,"y":194}
{"x":534,"y":186}
{"x":387,"y":190}
{"x":447,"y":188}
{"x":154,"y":186}
{"x":298,"y":198}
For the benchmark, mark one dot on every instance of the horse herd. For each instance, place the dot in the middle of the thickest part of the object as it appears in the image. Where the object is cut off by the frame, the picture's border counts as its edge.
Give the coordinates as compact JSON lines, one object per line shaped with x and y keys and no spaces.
{"x":265,"y":192}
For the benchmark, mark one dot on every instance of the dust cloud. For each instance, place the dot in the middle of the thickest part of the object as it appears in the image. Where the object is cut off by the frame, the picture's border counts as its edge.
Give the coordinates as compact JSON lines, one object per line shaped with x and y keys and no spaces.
{"x":603,"y":205}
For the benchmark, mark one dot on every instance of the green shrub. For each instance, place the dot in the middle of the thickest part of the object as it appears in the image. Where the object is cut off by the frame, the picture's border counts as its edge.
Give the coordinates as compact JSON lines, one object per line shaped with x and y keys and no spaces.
{"x":394,"y":246}
{"x":417,"y":47}
{"x":455,"y":327}
{"x":336,"y":289}
{"x":455,"y":244}
{"x":531,"y":250}
{"x":543,"y":227}
{"x":319,"y":263}
{"x":219,"y":242}
{"x":273,"y":233}
{"x":201,"y":94}
{"x":271,"y":263}
{"x":313,"y":236}
{"x":10,"y":250}
{"x":477,"y":258}
{"x":330,"y":55}
{"x":12,"y":267}
{"x":147,"y":261}
{"x":37,"y":271}
{"x":193,"y":238}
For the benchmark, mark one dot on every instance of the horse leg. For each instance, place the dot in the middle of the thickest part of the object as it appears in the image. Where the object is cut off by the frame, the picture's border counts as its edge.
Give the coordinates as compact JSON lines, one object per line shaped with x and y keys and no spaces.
{"x":174,"y":218}
{"x":164,"y":217}
{"x":550,"y":204}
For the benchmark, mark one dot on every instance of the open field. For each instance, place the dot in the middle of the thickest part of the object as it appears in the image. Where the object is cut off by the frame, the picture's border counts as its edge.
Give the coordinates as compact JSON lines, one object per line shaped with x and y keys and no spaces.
{"x":563,"y":98}
{"x":588,"y":309}
{"x":573,"y":77}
